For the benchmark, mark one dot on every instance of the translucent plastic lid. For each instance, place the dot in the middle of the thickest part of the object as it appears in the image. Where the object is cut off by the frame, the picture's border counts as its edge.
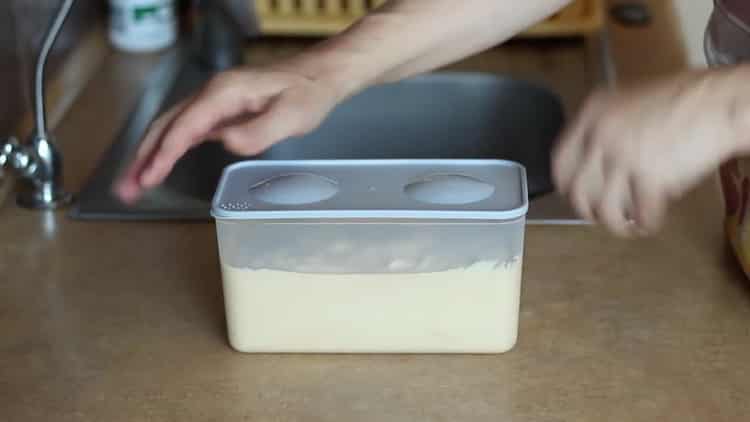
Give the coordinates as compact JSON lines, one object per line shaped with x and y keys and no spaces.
{"x":372,"y":189}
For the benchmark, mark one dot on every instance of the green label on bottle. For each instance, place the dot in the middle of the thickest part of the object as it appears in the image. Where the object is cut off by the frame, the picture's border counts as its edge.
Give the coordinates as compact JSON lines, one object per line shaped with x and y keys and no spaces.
{"x":144,"y":12}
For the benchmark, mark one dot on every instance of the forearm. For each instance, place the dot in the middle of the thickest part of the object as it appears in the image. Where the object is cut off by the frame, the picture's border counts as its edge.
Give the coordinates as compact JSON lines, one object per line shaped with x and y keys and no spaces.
{"x":406,"y":37}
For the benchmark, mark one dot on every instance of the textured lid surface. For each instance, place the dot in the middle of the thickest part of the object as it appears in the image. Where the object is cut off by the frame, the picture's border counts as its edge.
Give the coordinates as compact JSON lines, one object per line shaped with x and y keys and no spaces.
{"x":372,"y":189}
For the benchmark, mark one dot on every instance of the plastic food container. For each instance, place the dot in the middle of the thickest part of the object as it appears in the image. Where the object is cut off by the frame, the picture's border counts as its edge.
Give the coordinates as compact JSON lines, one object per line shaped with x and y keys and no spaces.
{"x":384,"y":256}
{"x":727,"y":42}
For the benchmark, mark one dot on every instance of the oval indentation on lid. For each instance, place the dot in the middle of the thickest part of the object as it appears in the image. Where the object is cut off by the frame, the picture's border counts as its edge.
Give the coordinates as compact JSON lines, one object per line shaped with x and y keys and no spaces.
{"x":449,"y":189}
{"x":295,"y":189}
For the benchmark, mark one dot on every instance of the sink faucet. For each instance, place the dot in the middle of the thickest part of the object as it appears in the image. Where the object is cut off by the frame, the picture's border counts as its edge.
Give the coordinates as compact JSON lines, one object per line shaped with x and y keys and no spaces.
{"x":218,"y":36}
{"x":38,"y":161}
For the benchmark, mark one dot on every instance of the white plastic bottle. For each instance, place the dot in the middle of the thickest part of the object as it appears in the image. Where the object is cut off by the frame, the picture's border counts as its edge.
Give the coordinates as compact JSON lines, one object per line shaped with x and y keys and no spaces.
{"x":141,"y":26}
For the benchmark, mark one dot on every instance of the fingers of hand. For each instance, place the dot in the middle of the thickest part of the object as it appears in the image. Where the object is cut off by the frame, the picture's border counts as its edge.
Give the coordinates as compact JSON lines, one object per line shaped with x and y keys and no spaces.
{"x":287,"y":116}
{"x":217,"y":103}
{"x":594,"y":166}
{"x":620,"y":195}
{"x":587,"y":186}
{"x":649,"y":205}
{"x":128,"y":187}
{"x":613,"y":208}
{"x":573,"y":144}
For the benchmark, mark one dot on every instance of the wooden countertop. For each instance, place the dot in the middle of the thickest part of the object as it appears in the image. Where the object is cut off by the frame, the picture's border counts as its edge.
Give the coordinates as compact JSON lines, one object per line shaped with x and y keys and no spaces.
{"x":124,"y":321}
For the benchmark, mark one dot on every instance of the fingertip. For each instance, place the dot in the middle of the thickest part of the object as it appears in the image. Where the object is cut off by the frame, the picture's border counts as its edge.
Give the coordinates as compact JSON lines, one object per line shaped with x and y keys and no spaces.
{"x":127,"y":192}
{"x":621,"y":229}
{"x":641,"y":232}
{"x":557,"y":181}
{"x":150,"y":178}
{"x":127,"y":186}
{"x":563,"y":169}
{"x":650,"y":207}
{"x":155,"y":173}
{"x":629,"y":230}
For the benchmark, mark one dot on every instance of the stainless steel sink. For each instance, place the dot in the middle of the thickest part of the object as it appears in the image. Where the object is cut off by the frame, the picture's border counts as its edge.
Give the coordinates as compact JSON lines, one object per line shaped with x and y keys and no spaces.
{"x":443,"y":115}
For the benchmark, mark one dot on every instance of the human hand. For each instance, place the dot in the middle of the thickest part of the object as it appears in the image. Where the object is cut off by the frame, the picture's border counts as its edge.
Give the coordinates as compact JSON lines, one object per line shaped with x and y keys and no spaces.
{"x":247,"y":110}
{"x":629,"y":154}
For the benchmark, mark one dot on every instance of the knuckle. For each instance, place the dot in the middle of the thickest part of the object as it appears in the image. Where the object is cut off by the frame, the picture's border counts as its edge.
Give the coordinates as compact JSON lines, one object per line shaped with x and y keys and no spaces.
{"x":298,"y":118}
{"x":270,"y":131}
{"x":225,"y":80}
{"x":303,"y":126}
{"x":239,"y":144}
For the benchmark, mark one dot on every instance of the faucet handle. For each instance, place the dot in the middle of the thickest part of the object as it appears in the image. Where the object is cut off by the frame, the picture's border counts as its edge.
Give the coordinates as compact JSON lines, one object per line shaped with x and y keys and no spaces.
{"x":14,"y":156}
{"x":6,"y":153}
{"x":6,"y":150}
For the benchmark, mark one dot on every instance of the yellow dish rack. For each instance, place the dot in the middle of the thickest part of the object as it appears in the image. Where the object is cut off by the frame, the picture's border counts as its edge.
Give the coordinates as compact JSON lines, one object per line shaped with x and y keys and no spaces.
{"x":326,"y":17}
